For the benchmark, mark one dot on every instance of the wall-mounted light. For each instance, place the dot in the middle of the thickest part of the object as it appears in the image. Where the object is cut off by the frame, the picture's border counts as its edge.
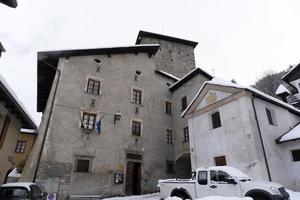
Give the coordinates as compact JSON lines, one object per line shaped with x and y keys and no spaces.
{"x":136,"y":74}
{"x":117,"y":116}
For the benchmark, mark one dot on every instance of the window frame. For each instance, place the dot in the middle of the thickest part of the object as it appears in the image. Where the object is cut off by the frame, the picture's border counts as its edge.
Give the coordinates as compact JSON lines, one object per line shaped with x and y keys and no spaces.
{"x":137,"y":121}
{"x":22,"y":147}
{"x":89,"y":114}
{"x":213,"y":123}
{"x":198,"y":178}
{"x":295,"y":158}
{"x":220,"y":157}
{"x":168,"y":107}
{"x":183,"y":103}
{"x":169,"y":136}
{"x":85,"y":158}
{"x":93,"y":80}
{"x":138,"y":100}
{"x":186,"y":136}
{"x":270,"y":116}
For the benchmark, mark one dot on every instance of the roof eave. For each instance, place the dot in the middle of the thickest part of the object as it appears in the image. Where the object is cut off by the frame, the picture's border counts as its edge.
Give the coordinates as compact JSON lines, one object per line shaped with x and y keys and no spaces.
{"x":10,"y":3}
{"x":164,"y":37}
{"x":29,"y":122}
{"x":189,"y":76}
{"x":52,"y":58}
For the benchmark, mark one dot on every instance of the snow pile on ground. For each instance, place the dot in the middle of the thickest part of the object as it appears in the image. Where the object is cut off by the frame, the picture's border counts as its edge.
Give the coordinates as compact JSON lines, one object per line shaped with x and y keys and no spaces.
{"x":294,"y":195}
{"x":154,"y":196}
{"x":224,"y":198}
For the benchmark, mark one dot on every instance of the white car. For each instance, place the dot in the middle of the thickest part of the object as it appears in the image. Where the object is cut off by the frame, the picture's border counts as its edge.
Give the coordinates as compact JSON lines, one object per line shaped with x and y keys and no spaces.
{"x":21,"y":191}
{"x":221,"y":181}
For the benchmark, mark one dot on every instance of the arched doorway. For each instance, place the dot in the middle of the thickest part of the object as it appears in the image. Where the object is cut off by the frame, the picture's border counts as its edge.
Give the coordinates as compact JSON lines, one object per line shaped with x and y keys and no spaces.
{"x":183,"y":167}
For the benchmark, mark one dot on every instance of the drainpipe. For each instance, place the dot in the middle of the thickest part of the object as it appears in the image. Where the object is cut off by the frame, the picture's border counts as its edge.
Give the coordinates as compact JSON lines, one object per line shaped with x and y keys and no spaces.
{"x":48,"y":121}
{"x":261,"y":139}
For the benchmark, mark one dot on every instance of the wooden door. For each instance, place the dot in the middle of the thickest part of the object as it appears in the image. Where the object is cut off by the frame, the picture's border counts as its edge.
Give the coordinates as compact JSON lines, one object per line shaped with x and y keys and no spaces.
{"x":133,"y":178}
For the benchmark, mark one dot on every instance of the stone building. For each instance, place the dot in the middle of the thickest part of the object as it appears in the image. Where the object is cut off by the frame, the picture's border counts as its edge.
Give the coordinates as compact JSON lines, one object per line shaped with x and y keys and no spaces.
{"x":14,"y":145}
{"x":245,"y":128}
{"x":111,"y":117}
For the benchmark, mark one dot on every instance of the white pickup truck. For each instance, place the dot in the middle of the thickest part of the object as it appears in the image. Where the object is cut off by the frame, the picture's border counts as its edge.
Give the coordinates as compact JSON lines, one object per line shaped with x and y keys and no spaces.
{"x":221,"y":181}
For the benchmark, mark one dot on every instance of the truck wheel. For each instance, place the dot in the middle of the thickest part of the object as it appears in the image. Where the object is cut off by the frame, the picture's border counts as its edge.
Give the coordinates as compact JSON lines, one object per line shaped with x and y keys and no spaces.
{"x":182,"y":196}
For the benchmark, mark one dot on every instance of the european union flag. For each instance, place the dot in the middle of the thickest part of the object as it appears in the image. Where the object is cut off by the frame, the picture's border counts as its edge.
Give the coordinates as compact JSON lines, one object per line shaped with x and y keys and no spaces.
{"x":98,"y":126}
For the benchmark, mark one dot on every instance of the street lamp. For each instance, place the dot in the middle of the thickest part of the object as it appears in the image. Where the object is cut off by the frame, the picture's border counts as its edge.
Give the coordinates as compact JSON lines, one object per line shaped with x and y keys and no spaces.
{"x":117,"y":116}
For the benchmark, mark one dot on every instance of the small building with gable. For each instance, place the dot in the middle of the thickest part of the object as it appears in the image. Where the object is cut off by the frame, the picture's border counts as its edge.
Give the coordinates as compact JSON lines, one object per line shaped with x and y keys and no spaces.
{"x":242,"y":127}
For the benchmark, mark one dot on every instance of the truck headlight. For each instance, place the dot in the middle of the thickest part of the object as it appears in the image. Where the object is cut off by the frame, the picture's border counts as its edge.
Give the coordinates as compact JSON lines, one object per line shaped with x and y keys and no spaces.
{"x":275,"y":190}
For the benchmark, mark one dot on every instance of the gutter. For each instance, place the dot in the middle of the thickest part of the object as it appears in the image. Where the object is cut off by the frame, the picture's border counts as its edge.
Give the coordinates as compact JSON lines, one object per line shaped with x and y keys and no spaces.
{"x":48,"y":121}
{"x":261,"y":139}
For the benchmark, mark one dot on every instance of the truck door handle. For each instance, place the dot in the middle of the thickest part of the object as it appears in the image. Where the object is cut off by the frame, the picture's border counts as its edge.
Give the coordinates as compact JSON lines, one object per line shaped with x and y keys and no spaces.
{"x":213,"y":186}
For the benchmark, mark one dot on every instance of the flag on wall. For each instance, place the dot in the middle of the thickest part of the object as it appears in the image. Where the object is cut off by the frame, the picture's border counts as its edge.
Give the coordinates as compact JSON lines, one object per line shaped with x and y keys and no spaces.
{"x":98,"y":125}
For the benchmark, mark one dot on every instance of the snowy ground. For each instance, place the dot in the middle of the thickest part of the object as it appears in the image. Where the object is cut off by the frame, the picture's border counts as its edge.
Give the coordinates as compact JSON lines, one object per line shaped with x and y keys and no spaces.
{"x":155,"y":196}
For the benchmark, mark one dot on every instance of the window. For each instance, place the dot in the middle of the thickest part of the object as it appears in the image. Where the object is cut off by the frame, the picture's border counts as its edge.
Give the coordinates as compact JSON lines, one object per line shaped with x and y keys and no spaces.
{"x":296,"y":155}
{"x":202,"y":178}
{"x":137,"y":96}
{"x":219,"y":176}
{"x":170,"y":167}
{"x":220,"y":161}
{"x":88,"y":121}
{"x":93,"y":87}
{"x":168,"y":107}
{"x":216,"y":120}
{"x":169,"y":138}
{"x":21,"y":145}
{"x":4,"y":130}
{"x":82,"y":164}
{"x":136,"y":128}
{"x":183,"y":103}
{"x":186,"y":134}
{"x":269,"y":116}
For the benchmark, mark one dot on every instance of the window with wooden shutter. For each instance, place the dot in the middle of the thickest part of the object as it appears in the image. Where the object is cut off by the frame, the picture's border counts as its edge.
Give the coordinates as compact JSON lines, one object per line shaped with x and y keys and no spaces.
{"x":220,"y":161}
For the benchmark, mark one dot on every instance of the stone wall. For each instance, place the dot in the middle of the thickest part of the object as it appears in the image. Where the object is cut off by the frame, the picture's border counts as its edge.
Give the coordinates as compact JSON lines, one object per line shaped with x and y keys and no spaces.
{"x":174,"y":58}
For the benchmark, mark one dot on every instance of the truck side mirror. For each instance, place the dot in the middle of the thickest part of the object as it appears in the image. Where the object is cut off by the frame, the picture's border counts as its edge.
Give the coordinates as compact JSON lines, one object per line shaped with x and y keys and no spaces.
{"x":232,"y":181}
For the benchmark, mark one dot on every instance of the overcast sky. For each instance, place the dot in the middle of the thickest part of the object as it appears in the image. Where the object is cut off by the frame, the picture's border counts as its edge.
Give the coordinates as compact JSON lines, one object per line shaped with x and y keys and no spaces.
{"x":238,"y":39}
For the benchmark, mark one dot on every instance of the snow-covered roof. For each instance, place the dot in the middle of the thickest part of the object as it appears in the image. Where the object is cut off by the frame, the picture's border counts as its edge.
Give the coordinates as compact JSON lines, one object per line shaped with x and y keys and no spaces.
{"x":29,"y":131}
{"x":282,"y":89}
{"x":14,"y":173}
{"x":293,"y":134}
{"x":19,"y":184}
{"x":262,"y":95}
{"x":9,"y":96}
{"x":168,"y":75}
{"x":190,"y":75}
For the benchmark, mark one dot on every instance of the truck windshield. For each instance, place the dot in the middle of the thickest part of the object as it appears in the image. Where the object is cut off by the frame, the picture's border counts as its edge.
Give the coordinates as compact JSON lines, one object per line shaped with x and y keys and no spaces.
{"x":13,"y":193}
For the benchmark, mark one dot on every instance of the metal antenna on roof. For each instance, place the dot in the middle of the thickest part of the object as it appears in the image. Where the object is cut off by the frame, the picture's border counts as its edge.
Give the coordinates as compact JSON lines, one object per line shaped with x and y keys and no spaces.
{"x":213,"y":72}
